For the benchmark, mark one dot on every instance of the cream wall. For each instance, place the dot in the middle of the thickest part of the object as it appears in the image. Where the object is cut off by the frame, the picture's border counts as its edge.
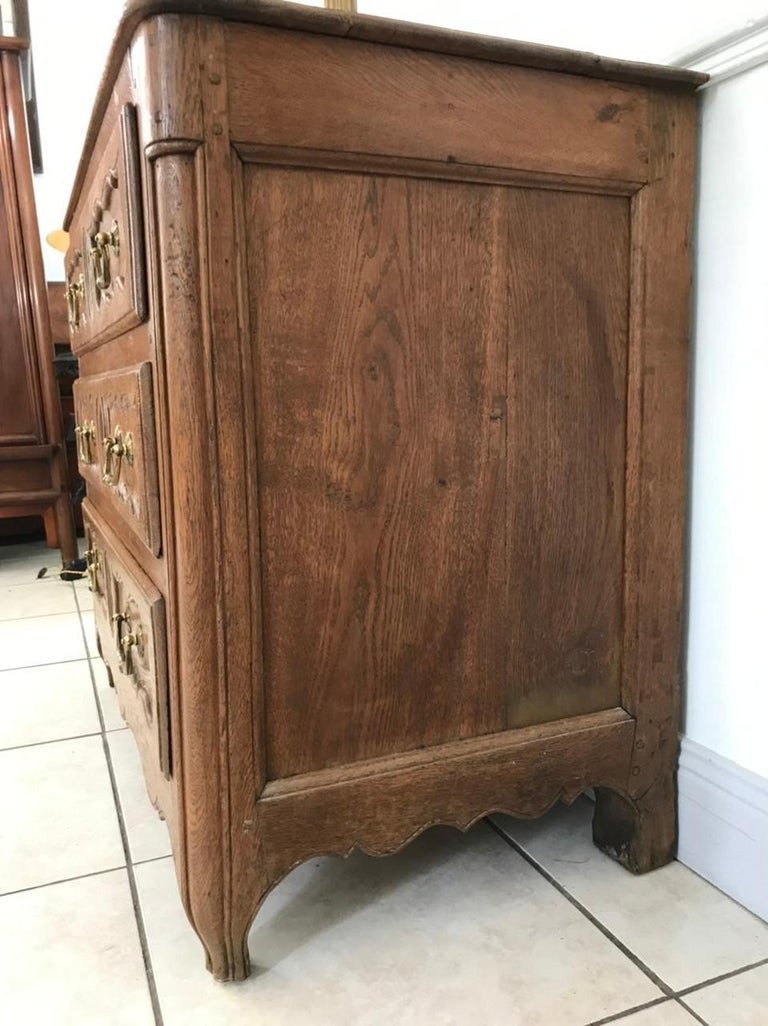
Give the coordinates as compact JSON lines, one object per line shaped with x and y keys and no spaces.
{"x":70,"y":42}
{"x":727,"y":700}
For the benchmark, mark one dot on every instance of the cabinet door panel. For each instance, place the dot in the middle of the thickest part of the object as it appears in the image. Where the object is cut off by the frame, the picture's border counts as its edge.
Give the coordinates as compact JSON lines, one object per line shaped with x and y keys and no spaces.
{"x":440,"y":403}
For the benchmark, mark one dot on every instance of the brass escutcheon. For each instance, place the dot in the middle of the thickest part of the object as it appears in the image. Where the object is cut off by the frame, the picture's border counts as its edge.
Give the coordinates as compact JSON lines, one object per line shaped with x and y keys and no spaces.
{"x":92,"y":567}
{"x":117,"y":447}
{"x":133,"y":639}
{"x":85,"y":434}
{"x":101,"y":245}
{"x":75,"y":293}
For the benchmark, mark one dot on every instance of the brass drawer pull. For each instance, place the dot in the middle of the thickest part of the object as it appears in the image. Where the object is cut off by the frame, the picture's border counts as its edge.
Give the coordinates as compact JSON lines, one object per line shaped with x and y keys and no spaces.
{"x":75,"y":294}
{"x":117,"y":447}
{"x":85,"y":434}
{"x":92,"y":567}
{"x":133,"y":639}
{"x":101,"y":245}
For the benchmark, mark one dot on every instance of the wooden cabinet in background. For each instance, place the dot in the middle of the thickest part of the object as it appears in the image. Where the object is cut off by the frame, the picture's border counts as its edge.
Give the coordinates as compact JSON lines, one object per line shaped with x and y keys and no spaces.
{"x":383,"y":351}
{"x":33,"y":468}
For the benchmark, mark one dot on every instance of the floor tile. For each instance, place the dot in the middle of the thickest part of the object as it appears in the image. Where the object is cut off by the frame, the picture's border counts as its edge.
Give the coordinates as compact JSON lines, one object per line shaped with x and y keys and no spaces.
{"x":107,"y":696}
{"x":89,"y":628}
{"x":37,"y":640}
{"x":147,"y":833}
{"x":70,"y":956}
{"x":21,"y":564}
{"x":39,"y":598}
{"x":681,"y":927}
{"x":739,"y":1001}
{"x":670,"y":1013}
{"x":57,"y":814}
{"x":453,"y":930}
{"x":45,"y":703}
{"x":84,"y":595}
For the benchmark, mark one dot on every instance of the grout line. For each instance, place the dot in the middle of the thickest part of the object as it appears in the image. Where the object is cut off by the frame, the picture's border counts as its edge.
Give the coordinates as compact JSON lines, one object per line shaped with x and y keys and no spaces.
{"x":54,"y":662}
{"x":50,"y":741}
{"x":39,"y":616}
{"x":691,"y":1012}
{"x":724,"y":976}
{"x":618,"y":1016}
{"x":657,"y":980}
{"x":145,"y":954}
{"x":676,"y":996}
{"x":66,"y":879}
{"x":155,"y":858}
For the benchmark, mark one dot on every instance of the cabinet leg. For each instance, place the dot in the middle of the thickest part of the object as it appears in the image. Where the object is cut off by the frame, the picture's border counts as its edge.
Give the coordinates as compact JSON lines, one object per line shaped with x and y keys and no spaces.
{"x":229,"y":963}
{"x":641,"y":834}
{"x":65,"y":527}
{"x":226,"y":942}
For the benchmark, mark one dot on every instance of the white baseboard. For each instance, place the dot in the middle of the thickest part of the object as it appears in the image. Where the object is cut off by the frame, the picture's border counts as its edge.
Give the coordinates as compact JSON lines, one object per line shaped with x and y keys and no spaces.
{"x":724,"y":825}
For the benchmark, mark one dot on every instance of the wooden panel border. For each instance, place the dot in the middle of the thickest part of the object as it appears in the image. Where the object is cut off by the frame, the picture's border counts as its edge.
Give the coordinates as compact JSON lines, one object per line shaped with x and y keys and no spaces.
{"x":405,"y":167}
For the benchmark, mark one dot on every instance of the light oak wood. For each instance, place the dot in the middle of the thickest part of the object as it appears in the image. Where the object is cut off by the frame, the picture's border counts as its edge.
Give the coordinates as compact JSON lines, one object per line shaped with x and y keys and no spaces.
{"x":414,"y":374}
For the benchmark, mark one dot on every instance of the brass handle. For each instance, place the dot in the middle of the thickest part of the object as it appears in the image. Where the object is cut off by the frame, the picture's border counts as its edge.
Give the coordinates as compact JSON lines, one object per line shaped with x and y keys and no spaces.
{"x":101,"y":245}
{"x":85,"y":434}
{"x":75,"y":293}
{"x":117,"y":447}
{"x":133,"y":639}
{"x":92,"y":567}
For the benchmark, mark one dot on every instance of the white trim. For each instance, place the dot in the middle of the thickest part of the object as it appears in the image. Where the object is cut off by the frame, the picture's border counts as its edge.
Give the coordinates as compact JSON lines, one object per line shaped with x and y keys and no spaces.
{"x":731,"y":54}
{"x":724,"y":825}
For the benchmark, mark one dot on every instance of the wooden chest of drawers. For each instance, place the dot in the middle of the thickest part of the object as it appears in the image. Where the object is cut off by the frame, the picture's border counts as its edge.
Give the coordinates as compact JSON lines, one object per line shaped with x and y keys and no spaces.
{"x":383,"y":339}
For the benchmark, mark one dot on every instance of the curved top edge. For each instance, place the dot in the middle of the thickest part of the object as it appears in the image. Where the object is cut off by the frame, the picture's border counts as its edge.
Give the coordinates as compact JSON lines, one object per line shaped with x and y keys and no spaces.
{"x":389,"y":31}
{"x":367,"y":28}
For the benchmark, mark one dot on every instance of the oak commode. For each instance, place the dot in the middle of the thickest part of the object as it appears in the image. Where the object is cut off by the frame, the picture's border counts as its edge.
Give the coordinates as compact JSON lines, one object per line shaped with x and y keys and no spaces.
{"x":383,"y":344}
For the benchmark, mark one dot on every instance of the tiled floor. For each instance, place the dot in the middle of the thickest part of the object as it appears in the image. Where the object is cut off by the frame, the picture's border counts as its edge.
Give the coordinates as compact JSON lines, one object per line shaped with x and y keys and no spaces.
{"x":513,"y":924}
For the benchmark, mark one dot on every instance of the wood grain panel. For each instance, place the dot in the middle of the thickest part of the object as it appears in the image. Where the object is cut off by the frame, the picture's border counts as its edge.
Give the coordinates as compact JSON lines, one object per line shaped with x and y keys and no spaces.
{"x":395,"y":502}
{"x":295,"y":89}
{"x":380,"y":340}
{"x":568,"y":316}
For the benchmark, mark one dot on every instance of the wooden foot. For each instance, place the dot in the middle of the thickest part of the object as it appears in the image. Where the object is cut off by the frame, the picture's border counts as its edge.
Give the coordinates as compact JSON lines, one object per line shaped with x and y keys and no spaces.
{"x":640,"y":834}
{"x":65,"y":528}
{"x":225,"y":938}
{"x":232,"y":965}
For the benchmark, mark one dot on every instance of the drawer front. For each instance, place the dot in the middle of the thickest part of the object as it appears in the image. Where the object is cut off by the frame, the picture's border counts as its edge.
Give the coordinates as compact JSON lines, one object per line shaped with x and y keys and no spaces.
{"x":116,"y":447}
{"x":131,"y":626}
{"x":105,"y":266}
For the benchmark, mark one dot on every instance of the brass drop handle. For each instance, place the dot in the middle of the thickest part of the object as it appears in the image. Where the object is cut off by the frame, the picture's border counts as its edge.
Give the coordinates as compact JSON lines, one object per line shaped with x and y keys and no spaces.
{"x":85,"y":434}
{"x":92,"y":567}
{"x":117,"y":447}
{"x":75,"y":293}
{"x":128,"y":642}
{"x":101,"y":245}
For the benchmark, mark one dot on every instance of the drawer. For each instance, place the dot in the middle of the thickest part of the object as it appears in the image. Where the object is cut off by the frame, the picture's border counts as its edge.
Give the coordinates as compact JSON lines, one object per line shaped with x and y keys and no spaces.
{"x":116,"y":447}
{"x":131,"y":627}
{"x":106,"y":284}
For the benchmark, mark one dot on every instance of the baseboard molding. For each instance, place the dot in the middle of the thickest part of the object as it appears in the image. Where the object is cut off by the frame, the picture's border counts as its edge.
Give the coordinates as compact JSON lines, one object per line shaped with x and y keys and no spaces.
{"x":729,"y":55}
{"x":724,"y":825}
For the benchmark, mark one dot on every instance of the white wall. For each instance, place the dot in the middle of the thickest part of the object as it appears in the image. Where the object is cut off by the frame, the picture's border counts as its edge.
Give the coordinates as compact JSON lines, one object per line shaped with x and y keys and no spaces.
{"x":655,"y":31}
{"x":70,"y":40}
{"x":727,"y":694}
